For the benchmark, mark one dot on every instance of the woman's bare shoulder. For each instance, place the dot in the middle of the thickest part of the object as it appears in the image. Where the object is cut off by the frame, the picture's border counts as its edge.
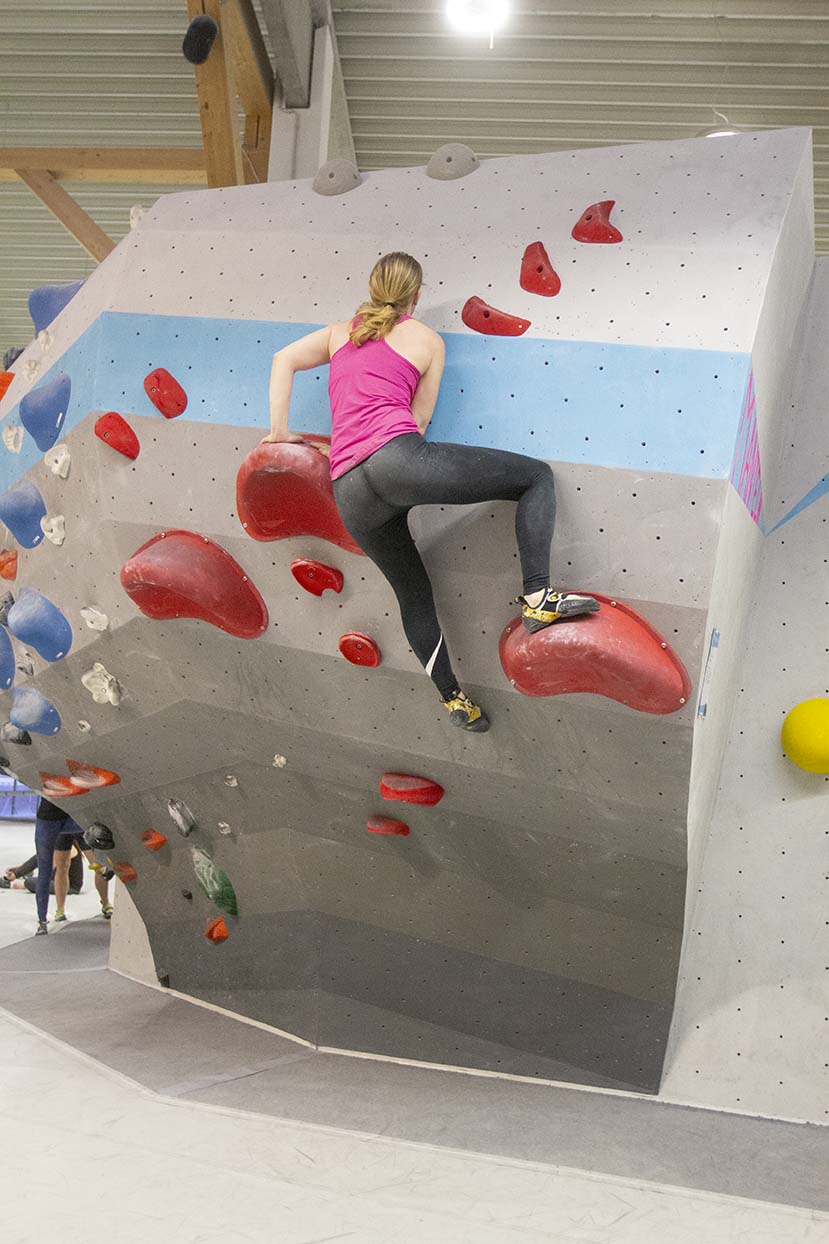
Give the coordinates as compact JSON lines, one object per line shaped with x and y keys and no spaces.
{"x":338,"y":334}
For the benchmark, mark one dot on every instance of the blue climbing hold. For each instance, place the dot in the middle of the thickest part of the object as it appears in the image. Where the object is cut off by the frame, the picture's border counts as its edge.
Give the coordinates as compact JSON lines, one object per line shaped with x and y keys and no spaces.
{"x":39,"y":624}
{"x":43,"y":410}
{"x":21,"y":509}
{"x":7,"y":666}
{"x":47,"y":301}
{"x":32,"y":711}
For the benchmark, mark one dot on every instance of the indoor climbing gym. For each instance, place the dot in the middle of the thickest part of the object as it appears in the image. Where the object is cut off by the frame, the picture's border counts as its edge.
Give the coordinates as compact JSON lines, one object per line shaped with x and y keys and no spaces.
{"x":414,"y":627}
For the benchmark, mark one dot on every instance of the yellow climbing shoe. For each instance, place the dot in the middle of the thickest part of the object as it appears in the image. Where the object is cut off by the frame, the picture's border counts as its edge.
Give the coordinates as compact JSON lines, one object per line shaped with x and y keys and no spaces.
{"x":555,"y":607}
{"x":466,"y":714}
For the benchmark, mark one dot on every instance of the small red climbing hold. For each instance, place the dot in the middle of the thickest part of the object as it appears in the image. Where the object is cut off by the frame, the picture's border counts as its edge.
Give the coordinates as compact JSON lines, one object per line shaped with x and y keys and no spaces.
{"x":88,"y":777}
{"x":216,"y":931}
{"x":315,"y":577}
{"x":407,"y":789}
{"x":8,"y":564}
{"x":114,"y":429}
{"x":483,"y":318}
{"x":180,"y":574}
{"x":386,"y":825}
{"x":125,"y":873}
{"x":165,"y":393}
{"x":58,"y":786}
{"x":538,"y":276}
{"x":152,"y":840}
{"x":359,"y":649}
{"x":6,"y":377}
{"x":594,"y":224}
{"x":285,"y":490}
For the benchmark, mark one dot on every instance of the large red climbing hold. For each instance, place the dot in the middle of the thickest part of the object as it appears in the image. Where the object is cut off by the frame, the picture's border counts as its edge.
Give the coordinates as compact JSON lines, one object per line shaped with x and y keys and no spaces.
{"x":407,"y":789}
{"x":538,"y":276}
{"x":165,"y":393}
{"x":180,"y":574}
{"x":117,"y":433}
{"x":483,"y":318}
{"x":58,"y":786}
{"x":216,"y":931}
{"x":6,"y":377}
{"x":125,"y":873}
{"x":285,"y":490}
{"x":315,"y":577}
{"x":594,"y":224}
{"x":359,"y":649}
{"x":89,"y":777}
{"x":614,"y":653}
{"x":152,"y":840}
{"x":386,"y":825}
{"x":8,"y":564}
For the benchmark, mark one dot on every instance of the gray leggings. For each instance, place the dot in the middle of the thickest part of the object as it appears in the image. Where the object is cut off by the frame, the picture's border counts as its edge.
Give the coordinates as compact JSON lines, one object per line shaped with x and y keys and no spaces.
{"x":374,"y":499}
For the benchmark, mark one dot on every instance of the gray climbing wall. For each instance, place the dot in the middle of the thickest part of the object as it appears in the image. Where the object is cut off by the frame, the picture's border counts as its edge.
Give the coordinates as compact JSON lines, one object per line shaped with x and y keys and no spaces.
{"x":531,"y":922}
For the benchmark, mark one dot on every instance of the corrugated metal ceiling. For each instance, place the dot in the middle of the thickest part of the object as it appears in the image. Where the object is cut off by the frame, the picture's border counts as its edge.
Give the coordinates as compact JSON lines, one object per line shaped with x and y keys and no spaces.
{"x":564,"y":75}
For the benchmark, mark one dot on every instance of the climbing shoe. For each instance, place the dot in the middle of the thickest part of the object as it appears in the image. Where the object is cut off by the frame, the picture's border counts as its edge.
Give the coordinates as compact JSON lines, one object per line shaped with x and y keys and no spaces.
{"x":41,"y":929}
{"x":59,"y":917}
{"x":555,"y":607}
{"x":466,"y":714}
{"x":106,"y":911}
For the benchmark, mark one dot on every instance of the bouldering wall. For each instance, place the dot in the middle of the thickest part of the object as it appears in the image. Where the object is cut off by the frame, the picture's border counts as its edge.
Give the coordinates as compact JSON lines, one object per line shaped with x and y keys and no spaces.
{"x":530,"y":920}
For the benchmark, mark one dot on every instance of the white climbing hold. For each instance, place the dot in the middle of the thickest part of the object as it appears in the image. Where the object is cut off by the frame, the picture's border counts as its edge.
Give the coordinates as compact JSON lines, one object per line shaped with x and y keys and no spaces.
{"x":451,"y":161}
{"x":85,"y":726}
{"x":30,"y":369}
{"x":26,"y":665}
{"x":279,"y":762}
{"x":137,"y":212}
{"x":230,"y":780}
{"x":53,"y":527}
{"x":337,"y":177}
{"x":13,"y":437}
{"x":224,"y":828}
{"x":44,"y":339}
{"x":181,"y":816}
{"x":94,"y":618}
{"x":102,"y":686}
{"x":58,"y":460}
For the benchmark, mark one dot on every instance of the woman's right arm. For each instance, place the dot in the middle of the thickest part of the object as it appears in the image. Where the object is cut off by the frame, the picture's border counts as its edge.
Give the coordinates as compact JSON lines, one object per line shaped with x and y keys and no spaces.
{"x":426,"y":395}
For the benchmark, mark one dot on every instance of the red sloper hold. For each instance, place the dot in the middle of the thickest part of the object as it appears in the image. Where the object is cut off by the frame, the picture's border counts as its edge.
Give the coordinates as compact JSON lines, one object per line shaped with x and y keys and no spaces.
{"x":385,"y":825}
{"x":407,"y":789}
{"x":6,"y":377}
{"x":614,"y":653}
{"x":114,"y":429}
{"x":57,"y":786}
{"x":8,"y":564}
{"x":359,"y":649}
{"x":594,"y":224}
{"x":180,"y":574}
{"x":285,"y":490}
{"x":216,"y":931}
{"x":315,"y":577}
{"x":152,"y":840}
{"x":538,"y":276}
{"x":125,"y":873}
{"x":483,"y":318}
{"x":88,"y":777}
{"x":165,"y":393}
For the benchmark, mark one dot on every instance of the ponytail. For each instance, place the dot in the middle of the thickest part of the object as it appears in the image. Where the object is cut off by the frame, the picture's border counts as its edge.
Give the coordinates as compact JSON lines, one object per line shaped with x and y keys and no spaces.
{"x":394,"y":284}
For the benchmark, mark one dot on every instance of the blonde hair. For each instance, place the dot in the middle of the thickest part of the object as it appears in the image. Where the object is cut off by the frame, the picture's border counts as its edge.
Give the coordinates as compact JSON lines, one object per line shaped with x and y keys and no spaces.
{"x":394,"y":284}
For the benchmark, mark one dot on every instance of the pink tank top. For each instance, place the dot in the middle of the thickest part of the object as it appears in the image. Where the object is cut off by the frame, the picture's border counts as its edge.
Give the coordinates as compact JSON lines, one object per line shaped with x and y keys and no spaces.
{"x":371,"y":389}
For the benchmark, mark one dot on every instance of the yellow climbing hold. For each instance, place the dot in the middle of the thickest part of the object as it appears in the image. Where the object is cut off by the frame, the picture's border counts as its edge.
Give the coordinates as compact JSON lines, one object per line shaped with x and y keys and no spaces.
{"x":805,"y":735}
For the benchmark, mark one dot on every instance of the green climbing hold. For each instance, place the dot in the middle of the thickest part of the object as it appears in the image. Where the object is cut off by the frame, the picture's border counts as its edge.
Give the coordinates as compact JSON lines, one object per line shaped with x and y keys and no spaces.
{"x":215,"y":882}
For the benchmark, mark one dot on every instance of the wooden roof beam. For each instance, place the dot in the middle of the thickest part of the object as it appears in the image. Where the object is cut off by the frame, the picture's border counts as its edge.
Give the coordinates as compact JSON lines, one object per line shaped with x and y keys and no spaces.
{"x":70,"y":214}
{"x":107,"y":164}
{"x":222,"y":146}
{"x":254,"y":81}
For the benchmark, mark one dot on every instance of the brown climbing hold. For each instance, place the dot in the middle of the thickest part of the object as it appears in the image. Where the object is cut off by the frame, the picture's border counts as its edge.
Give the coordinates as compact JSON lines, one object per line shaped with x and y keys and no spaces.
{"x":125,"y":873}
{"x":316,"y":577}
{"x":594,"y":224}
{"x":8,"y":564}
{"x":538,"y":276}
{"x":216,"y":931}
{"x":482,"y":318}
{"x":89,"y":777}
{"x":386,"y":825}
{"x":152,"y":840}
{"x":165,"y":393}
{"x":407,"y":789}
{"x":359,"y":649}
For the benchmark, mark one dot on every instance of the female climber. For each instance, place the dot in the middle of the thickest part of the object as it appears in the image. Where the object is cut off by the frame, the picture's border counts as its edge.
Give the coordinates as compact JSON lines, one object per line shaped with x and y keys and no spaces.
{"x":385,"y":372}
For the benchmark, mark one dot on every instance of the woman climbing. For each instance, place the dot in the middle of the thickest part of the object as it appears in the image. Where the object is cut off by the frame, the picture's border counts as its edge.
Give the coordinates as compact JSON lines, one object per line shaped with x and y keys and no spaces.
{"x":383,"y":384}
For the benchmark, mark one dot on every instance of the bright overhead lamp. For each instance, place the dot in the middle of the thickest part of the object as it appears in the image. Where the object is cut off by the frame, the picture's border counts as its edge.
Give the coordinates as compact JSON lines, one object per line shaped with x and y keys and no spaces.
{"x":726,"y":130}
{"x":477,"y":17}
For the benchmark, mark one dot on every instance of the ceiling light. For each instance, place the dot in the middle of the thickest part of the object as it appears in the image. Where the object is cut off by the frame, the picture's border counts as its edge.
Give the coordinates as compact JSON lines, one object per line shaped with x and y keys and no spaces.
{"x":477,"y":17}
{"x":725,"y":130}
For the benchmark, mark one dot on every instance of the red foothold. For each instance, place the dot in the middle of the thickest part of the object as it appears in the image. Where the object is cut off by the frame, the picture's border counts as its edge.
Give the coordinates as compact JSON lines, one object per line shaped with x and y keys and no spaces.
{"x":152,"y":840}
{"x":359,"y":649}
{"x":315,"y":577}
{"x":216,"y":931}
{"x":538,"y":276}
{"x":88,"y":777}
{"x":6,"y":377}
{"x":114,"y":429}
{"x":57,"y":786}
{"x":125,"y":873}
{"x":407,"y":789}
{"x":165,"y":393}
{"x":594,"y":224}
{"x":483,"y":318}
{"x":8,"y":564}
{"x":385,"y":825}
{"x":180,"y":574}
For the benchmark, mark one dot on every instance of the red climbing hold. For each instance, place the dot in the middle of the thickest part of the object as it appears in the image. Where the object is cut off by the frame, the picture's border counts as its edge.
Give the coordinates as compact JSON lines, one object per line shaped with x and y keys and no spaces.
{"x":385,"y":825}
{"x":538,"y":276}
{"x":359,"y":649}
{"x":6,"y":377}
{"x":125,"y":873}
{"x":58,"y":786}
{"x":285,"y":490}
{"x":180,"y":574}
{"x":89,"y":777}
{"x":114,"y":429}
{"x":152,"y":840}
{"x":614,"y":653}
{"x":594,"y":224}
{"x":483,"y":318}
{"x":216,"y":931}
{"x":165,"y":393}
{"x":407,"y":789}
{"x":8,"y":564}
{"x":315,"y":577}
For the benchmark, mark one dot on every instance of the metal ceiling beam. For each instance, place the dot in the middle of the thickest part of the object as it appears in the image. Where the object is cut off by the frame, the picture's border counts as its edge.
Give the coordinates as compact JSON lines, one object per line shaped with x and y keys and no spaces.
{"x":291,"y":28}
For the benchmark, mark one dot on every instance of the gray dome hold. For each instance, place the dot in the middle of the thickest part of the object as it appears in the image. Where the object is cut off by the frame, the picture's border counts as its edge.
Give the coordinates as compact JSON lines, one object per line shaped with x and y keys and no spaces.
{"x":451,"y":161}
{"x":337,"y":177}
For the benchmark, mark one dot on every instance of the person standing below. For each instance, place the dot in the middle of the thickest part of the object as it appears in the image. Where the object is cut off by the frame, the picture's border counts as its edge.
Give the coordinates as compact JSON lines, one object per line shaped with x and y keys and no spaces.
{"x":55,"y":833}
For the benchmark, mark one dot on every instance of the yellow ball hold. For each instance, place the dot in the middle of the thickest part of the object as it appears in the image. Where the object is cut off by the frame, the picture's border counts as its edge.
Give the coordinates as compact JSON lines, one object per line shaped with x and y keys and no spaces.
{"x":805,"y":735}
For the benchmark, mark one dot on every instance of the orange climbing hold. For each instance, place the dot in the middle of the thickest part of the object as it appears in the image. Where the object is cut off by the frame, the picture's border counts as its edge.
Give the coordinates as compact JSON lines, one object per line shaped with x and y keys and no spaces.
{"x":8,"y":564}
{"x":180,"y":574}
{"x":88,"y":777}
{"x":125,"y":873}
{"x":594,"y":224}
{"x":152,"y":840}
{"x":315,"y":577}
{"x":285,"y":490}
{"x":6,"y":377}
{"x":386,"y":825}
{"x":117,"y":433}
{"x":614,"y":653}
{"x":359,"y":649}
{"x":58,"y":786}
{"x":165,"y":393}
{"x":216,"y":931}
{"x":538,"y":276}
{"x":407,"y":789}
{"x":483,"y":318}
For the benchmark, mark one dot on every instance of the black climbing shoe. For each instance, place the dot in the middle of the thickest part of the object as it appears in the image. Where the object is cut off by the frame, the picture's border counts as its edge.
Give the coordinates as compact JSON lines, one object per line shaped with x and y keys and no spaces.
{"x":555,"y":607}
{"x":200,"y":37}
{"x":41,"y":929}
{"x":466,"y":714}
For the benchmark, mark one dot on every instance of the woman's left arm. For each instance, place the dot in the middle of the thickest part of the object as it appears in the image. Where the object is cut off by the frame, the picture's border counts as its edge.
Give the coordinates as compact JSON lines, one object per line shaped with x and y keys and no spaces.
{"x":308,"y":352}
